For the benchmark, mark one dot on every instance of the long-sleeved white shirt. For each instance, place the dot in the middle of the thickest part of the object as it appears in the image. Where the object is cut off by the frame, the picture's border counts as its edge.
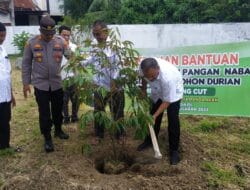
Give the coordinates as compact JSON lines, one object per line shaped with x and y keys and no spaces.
{"x":67,"y":74}
{"x":5,"y":76}
{"x":169,"y":84}
{"x":105,"y":74}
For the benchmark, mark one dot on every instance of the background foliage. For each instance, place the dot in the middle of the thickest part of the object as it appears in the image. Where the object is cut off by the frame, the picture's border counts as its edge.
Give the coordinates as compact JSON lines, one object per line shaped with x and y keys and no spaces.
{"x":20,"y":40}
{"x":159,"y":11}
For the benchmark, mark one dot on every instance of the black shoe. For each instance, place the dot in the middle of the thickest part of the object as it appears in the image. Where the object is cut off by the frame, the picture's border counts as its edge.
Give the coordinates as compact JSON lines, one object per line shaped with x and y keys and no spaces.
{"x":48,"y":145}
{"x":144,"y":146}
{"x":174,"y":157}
{"x":66,"y":120}
{"x":61,"y":134}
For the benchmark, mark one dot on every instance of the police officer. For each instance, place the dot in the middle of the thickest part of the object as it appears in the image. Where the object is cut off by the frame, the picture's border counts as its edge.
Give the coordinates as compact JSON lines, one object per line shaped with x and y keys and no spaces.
{"x":41,"y":67}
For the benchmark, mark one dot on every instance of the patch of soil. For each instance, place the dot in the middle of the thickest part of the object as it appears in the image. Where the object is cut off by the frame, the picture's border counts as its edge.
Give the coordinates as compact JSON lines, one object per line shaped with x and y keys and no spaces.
{"x":68,"y":168}
{"x":142,"y":171}
{"x":112,"y":165}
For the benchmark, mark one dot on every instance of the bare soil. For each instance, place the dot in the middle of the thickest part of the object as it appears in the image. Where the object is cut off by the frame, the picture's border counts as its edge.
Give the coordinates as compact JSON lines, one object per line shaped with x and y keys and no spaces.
{"x":73,"y":167}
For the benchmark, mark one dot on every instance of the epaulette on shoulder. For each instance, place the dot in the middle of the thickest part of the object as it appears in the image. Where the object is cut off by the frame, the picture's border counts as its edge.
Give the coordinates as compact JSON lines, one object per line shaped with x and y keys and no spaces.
{"x":34,"y":38}
{"x":31,"y":39}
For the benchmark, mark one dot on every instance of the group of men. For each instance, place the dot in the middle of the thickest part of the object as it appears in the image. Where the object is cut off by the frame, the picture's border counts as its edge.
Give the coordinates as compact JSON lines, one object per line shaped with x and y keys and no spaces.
{"x":43,"y":58}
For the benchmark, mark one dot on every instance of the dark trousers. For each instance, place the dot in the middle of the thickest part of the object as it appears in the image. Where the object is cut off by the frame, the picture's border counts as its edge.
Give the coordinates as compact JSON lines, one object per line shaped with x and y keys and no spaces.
{"x":116,"y":103}
{"x":5,"y":116}
{"x":50,"y":109}
{"x":70,"y":94}
{"x":173,"y":123}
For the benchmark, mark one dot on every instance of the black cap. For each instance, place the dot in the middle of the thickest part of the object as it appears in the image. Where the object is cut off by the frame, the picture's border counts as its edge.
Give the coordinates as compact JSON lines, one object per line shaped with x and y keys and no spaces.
{"x":47,"y":25}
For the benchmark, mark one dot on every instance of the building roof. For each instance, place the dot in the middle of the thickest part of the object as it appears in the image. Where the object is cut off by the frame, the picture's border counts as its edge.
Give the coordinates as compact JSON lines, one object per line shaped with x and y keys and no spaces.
{"x":4,"y":7}
{"x":25,"y":5}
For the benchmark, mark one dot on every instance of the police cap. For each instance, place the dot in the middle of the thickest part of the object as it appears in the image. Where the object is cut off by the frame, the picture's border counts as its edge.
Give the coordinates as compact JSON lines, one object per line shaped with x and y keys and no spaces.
{"x":47,"y":25}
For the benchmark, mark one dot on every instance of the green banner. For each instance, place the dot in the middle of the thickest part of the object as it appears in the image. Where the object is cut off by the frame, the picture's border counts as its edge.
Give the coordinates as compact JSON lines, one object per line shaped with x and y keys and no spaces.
{"x":216,"y":77}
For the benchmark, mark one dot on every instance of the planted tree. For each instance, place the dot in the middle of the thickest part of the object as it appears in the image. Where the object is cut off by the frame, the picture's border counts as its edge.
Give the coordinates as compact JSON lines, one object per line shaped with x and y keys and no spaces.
{"x":136,"y":112}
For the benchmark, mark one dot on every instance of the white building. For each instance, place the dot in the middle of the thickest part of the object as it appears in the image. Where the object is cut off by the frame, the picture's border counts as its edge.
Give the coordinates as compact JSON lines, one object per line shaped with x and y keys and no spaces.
{"x":7,"y":12}
{"x":52,"y":7}
{"x":29,"y":12}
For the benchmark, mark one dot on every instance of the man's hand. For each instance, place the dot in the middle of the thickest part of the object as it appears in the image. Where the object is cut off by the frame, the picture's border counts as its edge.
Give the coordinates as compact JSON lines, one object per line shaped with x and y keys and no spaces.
{"x":144,"y":87}
{"x":162,"y":107}
{"x":113,"y":87}
{"x":13,"y":100}
{"x":143,"y":93}
{"x":26,"y":89}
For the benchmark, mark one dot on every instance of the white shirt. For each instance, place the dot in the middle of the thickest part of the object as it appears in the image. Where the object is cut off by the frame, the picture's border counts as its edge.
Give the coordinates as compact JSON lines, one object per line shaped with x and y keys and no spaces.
{"x":5,"y":76}
{"x":105,"y":73}
{"x":169,"y":84}
{"x":64,"y":73}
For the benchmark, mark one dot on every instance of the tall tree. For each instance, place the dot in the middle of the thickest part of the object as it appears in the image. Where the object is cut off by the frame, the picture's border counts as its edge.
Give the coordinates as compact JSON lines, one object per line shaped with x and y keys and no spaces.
{"x":143,"y":11}
{"x":76,"y":8}
{"x":210,"y":11}
{"x":159,"y":11}
{"x":106,"y":10}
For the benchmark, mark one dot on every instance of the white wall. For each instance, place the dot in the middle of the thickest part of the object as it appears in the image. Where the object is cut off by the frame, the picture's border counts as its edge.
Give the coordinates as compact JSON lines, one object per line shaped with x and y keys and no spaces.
{"x":54,"y":8}
{"x":41,"y":4}
{"x":5,"y":18}
{"x":177,"y":35}
{"x":53,"y":5}
{"x":12,"y":30}
{"x":163,"y":36}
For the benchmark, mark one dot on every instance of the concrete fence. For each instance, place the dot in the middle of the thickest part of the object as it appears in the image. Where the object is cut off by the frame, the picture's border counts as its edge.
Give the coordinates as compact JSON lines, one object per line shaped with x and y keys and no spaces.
{"x":162,"y":35}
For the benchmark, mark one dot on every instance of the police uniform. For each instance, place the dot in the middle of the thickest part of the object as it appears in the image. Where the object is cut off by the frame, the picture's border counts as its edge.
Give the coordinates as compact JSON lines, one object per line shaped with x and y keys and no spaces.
{"x":41,"y":67}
